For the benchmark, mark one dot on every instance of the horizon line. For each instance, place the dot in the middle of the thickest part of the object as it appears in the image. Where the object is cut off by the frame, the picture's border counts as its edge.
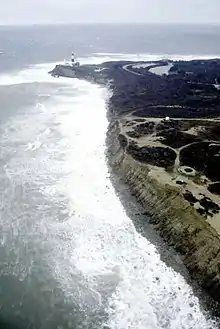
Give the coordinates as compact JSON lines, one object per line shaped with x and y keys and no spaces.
{"x":111,"y":23}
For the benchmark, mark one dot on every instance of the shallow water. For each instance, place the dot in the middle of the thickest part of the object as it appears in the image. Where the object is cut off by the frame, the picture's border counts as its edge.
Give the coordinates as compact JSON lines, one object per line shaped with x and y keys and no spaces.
{"x":160,"y":70}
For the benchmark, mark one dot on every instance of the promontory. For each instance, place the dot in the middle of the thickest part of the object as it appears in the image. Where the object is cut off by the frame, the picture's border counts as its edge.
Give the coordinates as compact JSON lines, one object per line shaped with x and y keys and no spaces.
{"x":164,"y":141}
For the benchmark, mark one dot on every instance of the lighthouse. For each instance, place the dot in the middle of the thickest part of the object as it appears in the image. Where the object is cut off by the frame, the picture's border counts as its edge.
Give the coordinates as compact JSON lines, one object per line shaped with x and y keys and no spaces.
{"x":74,"y":62}
{"x":73,"y":59}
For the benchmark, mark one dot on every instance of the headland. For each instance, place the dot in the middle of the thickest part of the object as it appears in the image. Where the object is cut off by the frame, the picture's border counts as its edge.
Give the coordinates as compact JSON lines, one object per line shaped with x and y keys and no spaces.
{"x":164,"y":141}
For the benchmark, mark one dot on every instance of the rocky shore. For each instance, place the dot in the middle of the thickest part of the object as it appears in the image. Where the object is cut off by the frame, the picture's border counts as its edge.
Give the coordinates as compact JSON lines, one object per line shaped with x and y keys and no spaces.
{"x":164,"y":140}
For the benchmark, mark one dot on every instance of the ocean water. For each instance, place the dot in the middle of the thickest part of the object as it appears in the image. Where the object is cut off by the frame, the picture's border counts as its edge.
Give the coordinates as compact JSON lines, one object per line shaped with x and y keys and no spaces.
{"x":70,"y":255}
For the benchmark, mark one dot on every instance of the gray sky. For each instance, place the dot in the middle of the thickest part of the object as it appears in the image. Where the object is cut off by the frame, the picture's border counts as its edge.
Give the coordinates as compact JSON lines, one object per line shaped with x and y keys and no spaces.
{"x":76,"y":11}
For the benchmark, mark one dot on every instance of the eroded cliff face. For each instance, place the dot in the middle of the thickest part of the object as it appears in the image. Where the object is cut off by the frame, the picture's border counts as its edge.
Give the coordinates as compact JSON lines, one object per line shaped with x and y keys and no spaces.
{"x":172,"y":166}
{"x":179,"y":223}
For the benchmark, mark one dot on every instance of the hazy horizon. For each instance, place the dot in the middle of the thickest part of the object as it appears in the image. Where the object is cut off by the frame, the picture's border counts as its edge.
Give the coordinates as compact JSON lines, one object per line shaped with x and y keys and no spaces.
{"x":113,"y":23}
{"x":40,"y":12}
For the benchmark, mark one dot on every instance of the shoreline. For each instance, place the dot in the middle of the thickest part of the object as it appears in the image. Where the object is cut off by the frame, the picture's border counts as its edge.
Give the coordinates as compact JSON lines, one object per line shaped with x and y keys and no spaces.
{"x":168,"y":253}
{"x":147,"y":152}
{"x":176,"y":227}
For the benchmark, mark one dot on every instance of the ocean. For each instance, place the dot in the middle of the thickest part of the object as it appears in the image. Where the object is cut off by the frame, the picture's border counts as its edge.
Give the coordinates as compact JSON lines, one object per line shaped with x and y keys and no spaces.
{"x":70,"y":255}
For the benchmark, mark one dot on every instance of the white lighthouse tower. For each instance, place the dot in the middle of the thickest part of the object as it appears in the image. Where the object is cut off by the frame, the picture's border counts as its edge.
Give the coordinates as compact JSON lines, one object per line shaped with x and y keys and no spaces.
{"x":73,"y":59}
{"x":74,"y":62}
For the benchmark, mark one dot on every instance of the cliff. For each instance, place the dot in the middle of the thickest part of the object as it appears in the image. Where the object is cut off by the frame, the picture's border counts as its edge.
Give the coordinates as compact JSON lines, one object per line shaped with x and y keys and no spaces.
{"x":164,"y":141}
{"x":173,"y":216}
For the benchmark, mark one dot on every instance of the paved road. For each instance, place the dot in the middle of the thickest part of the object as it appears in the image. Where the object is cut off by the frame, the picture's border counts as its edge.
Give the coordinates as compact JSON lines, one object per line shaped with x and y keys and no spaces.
{"x":125,"y":67}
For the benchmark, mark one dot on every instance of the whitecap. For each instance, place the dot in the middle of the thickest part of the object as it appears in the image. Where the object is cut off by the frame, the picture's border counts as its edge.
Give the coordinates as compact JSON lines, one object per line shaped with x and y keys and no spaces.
{"x":101,"y":248}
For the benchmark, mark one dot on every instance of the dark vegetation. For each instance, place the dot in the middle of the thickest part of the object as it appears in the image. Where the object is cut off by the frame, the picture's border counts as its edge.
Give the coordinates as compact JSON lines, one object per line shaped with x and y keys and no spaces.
{"x":209,"y":208}
{"x":157,"y":156}
{"x":176,"y":138}
{"x":142,"y":130}
{"x":187,"y":95}
{"x":200,"y":71}
{"x":214,"y":188}
{"x":203,"y":157}
{"x":194,"y":94}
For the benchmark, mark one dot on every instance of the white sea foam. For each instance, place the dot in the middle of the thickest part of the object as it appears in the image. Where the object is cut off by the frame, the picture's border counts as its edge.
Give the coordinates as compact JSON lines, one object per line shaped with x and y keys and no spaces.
{"x":152,"y":57}
{"x":97,"y":250}
{"x":36,"y":73}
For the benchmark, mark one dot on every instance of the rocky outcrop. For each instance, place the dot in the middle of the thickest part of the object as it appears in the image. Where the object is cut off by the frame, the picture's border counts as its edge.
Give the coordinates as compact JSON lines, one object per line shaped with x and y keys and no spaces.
{"x":179,"y":223}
